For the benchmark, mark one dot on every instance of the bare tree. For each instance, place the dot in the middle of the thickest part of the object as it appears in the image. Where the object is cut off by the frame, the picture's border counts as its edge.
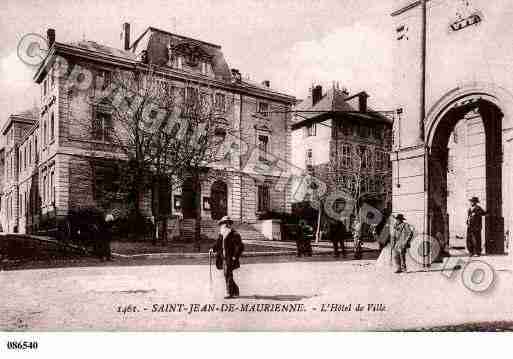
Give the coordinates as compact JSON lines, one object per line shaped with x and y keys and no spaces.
{"x":163,"y":131}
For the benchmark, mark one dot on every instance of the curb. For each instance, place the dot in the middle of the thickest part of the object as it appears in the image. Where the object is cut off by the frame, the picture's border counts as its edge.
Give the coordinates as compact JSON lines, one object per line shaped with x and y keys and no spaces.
{"x":205,"y":255}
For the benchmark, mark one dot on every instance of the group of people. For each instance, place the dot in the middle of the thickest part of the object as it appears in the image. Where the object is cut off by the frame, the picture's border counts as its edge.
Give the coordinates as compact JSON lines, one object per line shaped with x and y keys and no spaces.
{"x":394,"y":242}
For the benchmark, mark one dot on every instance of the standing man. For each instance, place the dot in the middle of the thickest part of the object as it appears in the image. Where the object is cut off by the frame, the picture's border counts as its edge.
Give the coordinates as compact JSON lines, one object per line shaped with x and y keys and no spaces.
{"x":401,"y":237}
{"x":228,"y":249}
{"x":336,"y":233}
{"x":107,"y":237}
{"x":474,"y":226}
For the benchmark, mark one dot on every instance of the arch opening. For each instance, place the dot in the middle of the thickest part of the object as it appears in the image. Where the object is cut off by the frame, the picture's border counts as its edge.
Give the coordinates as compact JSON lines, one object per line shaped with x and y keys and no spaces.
{"x":465,"y":160}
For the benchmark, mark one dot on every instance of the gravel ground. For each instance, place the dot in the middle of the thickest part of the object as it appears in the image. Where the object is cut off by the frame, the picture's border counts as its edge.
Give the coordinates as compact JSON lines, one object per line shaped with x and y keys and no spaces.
{"x":94,"y":298}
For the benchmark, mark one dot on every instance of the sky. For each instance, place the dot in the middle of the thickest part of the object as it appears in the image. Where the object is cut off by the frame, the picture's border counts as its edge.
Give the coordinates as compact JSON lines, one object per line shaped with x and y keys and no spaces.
{"x":294,"y":44}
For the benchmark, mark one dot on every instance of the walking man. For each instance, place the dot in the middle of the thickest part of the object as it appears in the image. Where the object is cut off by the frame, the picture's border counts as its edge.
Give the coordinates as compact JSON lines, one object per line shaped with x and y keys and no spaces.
{"x":228,"y":249}
{"x":474,"y":226}
{"x":401,"y":237}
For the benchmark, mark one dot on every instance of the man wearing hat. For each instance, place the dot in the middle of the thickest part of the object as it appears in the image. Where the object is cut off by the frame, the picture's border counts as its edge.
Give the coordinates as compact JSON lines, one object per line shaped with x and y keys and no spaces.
{"x":474,"y":227}
{"x":401,"y":238}
{"x":228,"y":249}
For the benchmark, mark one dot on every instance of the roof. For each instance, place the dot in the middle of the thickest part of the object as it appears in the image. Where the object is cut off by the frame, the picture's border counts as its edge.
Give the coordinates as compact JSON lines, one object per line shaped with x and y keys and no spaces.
{"x":27,"y":117}
{"x":155,"y":38}
{"x":103,"y":49}
{"x":334,"y":102}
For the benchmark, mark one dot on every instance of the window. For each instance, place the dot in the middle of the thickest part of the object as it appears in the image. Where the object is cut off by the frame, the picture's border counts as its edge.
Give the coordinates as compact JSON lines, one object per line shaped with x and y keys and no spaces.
{"x":205,"y":66}
{"x":52,"y":186}
{"x":263,"y":147}
{"x":263,"y":198}
{"x":44,"y":88}
{"x":311,"y":130}
{"x":346,"y":156}
{"x":102,"y":126}
{"x":379,"y":132}
{"x":220,"y":102}
{"x":364,"y":155}
{"x":347,"y":129}
{"x":103,"y":79}
{"x":192,"y":95}
{"x":52,"y":127}
{"x":52,"y":79}
{"x":263,"y":109}
{"x":43,"y":192}
{"x":372,"y":187}
{"x":380,"y":158}
{"x":364,"y":131}
{"x":25,"y":157}
{"x":30,"y":152}
{"x":205,"y":100}
{"x":309,"y":157}
{"x":44,"y":133}
{"x":380,"y":183}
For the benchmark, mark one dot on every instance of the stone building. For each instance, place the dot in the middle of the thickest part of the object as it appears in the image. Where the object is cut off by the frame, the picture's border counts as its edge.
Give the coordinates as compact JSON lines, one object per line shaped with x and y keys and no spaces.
{"x":60,"y":159}
{"x":450,"y":67}
{"x":335,"y":133}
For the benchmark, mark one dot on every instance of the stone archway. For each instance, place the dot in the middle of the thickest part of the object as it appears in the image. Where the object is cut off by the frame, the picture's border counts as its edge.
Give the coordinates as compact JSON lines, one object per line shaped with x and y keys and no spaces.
{"x":439,"y":133}
{"x":219,"y":200}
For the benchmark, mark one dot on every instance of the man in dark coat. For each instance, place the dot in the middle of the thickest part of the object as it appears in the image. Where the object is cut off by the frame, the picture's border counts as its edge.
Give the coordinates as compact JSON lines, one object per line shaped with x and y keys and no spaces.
{"x":402,"y":235}
{"x":336,"y":233}
{"x":474,"y":227}
{"x":228,"y":249}
{"x":107,"y":237}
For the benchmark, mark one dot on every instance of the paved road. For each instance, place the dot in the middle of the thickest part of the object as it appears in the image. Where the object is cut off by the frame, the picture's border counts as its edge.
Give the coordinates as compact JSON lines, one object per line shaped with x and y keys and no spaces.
{"x":88,"y":298}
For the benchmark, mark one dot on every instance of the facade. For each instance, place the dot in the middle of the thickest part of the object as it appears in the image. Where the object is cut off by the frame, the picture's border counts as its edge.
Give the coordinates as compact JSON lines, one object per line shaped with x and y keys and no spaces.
{"x":69,"y":139}
{"x":331,"y":131}
{"x":452,"y":72}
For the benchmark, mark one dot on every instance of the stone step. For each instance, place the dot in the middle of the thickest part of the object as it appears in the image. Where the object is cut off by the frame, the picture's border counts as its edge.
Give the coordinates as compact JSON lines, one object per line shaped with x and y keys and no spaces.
{"x":209,"y":228}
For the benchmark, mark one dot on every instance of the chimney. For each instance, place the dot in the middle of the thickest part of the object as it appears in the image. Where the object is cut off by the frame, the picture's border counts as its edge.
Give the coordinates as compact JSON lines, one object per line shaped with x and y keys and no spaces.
{"x":50,"y":35}
{"x":126,"y":36}
{"x":237,"y":77}
{"x":266,"y":83}
{"x":316,"y":94}
{"x":362,"y":101}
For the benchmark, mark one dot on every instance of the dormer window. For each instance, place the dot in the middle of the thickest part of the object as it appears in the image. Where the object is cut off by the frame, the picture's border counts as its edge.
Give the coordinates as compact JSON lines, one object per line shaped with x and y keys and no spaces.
{"x":311,"y":130}
{"x":263,"y":109}
{"x":205,"y":68}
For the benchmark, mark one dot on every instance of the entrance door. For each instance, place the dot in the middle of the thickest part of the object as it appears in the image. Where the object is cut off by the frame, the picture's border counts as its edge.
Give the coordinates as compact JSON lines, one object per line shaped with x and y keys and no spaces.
{"x":190,"y":198}
{"x":219,"y":200}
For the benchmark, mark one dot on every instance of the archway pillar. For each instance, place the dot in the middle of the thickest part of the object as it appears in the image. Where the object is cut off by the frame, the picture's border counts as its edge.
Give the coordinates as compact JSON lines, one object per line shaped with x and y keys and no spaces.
{"x":408,"y":181}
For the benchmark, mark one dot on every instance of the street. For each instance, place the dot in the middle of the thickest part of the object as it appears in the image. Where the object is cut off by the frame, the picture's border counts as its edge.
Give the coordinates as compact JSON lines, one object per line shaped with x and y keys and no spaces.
{"x":353,"y":295}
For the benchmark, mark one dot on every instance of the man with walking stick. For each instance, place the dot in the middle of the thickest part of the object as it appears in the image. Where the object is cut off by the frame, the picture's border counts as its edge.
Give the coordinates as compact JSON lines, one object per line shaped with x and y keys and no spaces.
{"x":228,"y":249}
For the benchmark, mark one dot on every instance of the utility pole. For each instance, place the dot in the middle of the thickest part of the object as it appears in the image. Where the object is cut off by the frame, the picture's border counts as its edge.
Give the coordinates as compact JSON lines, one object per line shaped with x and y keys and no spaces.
{"x":422,"y":136}
{"x":423,"y":71}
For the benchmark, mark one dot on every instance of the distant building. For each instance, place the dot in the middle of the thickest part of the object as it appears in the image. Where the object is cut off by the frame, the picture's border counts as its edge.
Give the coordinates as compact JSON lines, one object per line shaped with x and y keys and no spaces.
{"x":330,"y":129}
{"x":59,"y":159}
